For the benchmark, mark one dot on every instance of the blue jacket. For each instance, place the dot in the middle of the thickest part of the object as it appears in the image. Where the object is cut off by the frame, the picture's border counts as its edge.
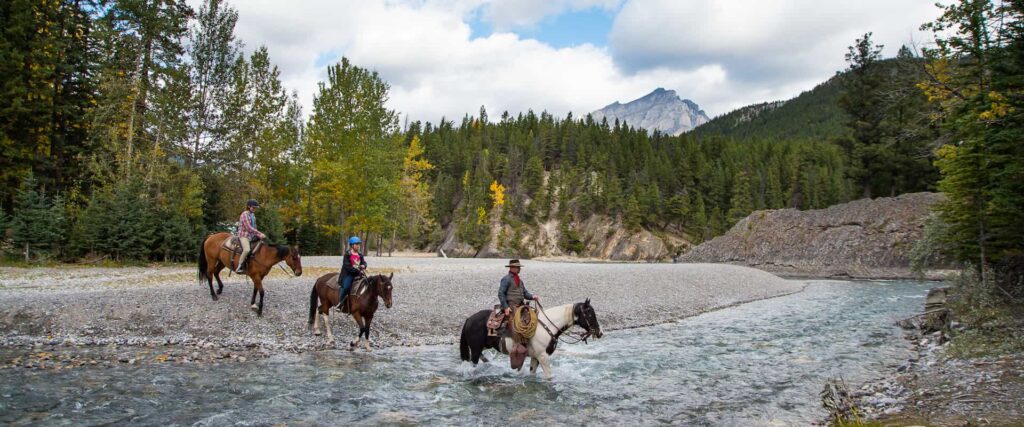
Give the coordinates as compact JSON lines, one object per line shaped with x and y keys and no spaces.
{"x":503,"y":290}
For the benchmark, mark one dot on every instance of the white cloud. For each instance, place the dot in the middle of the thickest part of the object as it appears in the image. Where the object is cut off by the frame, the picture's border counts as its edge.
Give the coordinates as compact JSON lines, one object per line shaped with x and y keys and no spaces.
{"x":771,"y":41}
{"x":709,"y":52}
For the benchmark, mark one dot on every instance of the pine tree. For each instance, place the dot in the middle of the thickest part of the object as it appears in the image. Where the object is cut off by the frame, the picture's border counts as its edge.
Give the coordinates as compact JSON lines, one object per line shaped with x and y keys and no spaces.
{"x":631,"y":215}
{"x":862,"y":102}
{"x":741,"y":203}
{"x":974,"y":72}
{"x":38,"y":222}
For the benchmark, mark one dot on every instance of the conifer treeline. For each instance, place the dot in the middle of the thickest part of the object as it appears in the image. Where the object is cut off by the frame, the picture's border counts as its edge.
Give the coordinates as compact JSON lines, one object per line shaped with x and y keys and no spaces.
{"x":569,"y":169}
{"x":131,"y":128}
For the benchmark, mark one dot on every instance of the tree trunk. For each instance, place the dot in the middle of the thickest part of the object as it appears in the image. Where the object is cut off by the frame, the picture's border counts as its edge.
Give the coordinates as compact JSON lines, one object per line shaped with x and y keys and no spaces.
{"x":391,"y":247}
{"x":26,"y":252}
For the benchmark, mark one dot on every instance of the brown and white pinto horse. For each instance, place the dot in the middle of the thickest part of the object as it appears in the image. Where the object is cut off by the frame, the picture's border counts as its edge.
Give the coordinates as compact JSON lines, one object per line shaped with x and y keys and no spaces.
{"x":361,"y":306}
{"x":213,"y":259}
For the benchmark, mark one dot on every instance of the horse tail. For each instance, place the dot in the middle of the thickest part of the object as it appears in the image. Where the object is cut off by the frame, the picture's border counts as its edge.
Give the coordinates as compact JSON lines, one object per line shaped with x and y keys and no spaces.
{"x":312,"y":304}
{"x":463,"y":344}
{"x":202,"y":265}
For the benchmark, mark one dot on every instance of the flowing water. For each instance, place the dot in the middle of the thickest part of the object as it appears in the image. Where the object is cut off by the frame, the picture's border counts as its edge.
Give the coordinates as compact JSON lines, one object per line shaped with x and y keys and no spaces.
{"x":761,"y":363}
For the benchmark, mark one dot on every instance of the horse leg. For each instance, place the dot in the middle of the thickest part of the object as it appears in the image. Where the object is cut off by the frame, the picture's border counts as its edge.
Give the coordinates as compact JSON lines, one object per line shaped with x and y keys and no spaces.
{"x":259,"y":312}
{"x":327,"y":326}
{"x":257,"y":286}
{"x":209,"y":279}
{"x":366,"y":332}
{"x":359,"y":322}
{"x":545,"y":363}
{"x":216,"y":274}
{"x":533,"y":365}
{"x":316,"y":322}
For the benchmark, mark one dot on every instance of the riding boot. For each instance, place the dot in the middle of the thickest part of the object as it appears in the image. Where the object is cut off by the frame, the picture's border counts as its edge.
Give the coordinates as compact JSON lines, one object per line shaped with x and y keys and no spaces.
{"x":241,"y":266}
{"x":342,"y":301}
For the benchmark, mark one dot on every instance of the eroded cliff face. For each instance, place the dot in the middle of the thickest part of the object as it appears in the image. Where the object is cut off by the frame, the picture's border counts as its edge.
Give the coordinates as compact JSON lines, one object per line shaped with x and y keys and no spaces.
{"x":601,"y":237}
{"x":864,"y":238}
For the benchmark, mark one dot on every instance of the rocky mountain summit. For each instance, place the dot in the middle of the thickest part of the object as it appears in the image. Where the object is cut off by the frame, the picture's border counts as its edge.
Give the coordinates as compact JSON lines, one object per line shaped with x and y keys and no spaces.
{"x":661,"y":110}
{"x":864,"y":238}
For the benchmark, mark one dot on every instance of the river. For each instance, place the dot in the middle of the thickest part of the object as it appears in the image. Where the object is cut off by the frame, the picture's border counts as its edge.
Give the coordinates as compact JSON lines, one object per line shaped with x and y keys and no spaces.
{"x":760,"y":363}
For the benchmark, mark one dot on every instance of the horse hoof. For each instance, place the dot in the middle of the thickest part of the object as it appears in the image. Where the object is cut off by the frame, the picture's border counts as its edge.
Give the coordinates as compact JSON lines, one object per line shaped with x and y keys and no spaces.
{"x":219,"y":291}
{"x":214,"y":296}
{"x":317,"y":333}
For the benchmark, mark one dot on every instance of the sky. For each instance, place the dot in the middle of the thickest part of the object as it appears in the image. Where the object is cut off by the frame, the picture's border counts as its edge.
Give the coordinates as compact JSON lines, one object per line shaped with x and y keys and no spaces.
{"x":447,"y":58}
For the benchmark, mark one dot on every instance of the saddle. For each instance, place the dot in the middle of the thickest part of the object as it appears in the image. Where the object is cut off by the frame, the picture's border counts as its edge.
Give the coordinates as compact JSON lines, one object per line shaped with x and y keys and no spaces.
{"x":234,"y":246}
{"x":359,"y":287}
{"x":499,"y":325}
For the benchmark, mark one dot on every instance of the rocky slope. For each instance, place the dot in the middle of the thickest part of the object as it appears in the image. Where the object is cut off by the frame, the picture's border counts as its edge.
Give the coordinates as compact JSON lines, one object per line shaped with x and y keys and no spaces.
{"x":661,"y":110}
{"x":864,"y":238}
{"x":602,"y":238}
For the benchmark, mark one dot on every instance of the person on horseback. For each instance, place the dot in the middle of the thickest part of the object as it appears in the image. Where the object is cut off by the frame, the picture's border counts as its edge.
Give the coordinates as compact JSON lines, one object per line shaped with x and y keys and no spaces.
{"x":353,"y":265}
{"x":512,"y":292}
{"x":247,"y":232}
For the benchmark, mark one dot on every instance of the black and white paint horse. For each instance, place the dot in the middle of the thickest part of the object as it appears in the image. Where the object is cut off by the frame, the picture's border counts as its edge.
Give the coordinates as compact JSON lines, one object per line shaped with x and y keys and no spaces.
{"x":553,"y":323}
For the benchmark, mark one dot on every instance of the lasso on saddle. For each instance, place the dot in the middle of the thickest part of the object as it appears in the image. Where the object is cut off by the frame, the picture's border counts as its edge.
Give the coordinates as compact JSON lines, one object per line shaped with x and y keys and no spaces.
{"x":520,"y":328}
{"x":234,"y":245}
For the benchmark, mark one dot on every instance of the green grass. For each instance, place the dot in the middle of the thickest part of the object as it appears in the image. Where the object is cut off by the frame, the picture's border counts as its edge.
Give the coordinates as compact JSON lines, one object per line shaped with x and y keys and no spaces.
{"x":993,"y":320}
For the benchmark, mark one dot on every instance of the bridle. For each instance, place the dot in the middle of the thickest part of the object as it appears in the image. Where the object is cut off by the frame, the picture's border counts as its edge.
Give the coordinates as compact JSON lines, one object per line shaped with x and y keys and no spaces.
{"x":558,"y":335}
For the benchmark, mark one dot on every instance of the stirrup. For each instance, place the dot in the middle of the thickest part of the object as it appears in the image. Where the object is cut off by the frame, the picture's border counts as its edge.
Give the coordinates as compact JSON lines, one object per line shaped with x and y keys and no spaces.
{"x":492,"y":332}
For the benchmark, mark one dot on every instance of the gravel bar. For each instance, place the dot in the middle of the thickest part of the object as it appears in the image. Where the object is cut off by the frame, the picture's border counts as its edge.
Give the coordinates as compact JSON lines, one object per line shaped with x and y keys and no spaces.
{"x":158,"y":306}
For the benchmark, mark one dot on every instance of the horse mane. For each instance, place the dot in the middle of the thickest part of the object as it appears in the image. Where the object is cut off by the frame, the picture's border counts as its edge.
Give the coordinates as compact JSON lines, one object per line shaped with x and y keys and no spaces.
{"x":282,"y":250}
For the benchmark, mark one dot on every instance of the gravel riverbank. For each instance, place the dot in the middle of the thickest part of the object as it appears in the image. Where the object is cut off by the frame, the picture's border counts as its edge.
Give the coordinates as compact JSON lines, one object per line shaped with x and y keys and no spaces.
{"x":144,"y":307}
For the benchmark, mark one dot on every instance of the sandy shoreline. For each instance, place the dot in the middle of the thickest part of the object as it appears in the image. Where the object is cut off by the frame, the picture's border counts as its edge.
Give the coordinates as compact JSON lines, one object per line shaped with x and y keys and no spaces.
{"x":161,"y":306}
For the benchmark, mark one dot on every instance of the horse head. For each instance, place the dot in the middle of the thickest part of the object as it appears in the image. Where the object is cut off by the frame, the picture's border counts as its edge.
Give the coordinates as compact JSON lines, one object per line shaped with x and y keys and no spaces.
{"x":384,"y":288}
{"x":294,"y":260}
{"x":586,"y":318}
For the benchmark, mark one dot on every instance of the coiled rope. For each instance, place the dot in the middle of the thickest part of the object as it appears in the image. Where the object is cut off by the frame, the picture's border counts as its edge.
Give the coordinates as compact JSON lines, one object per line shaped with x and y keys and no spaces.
{"x":524,"y":328}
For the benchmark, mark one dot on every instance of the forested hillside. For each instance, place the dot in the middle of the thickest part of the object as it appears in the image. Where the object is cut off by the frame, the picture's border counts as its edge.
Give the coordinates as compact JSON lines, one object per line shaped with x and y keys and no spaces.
{"x":569,"y":169}
{"x":812,"y":114}
{"x":130,"y":129}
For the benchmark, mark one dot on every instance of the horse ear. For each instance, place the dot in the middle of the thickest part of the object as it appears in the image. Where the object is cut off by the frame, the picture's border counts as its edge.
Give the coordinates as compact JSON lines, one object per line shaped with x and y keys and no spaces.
{"x":587,"y":302}
{"x":391,"y":276}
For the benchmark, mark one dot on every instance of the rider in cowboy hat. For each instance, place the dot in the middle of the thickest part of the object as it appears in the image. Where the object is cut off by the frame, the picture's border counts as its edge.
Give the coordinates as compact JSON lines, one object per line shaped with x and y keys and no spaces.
{"x":352,"y":265}
{"x":512,"y":292}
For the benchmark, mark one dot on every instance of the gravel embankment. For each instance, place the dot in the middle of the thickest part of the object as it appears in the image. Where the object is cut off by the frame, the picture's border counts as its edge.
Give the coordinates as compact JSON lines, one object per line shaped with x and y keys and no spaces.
{"x":432,"y":298}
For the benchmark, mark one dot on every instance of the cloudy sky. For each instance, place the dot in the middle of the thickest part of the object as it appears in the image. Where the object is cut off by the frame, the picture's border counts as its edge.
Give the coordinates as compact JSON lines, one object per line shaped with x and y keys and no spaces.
{"x":449,"y":57}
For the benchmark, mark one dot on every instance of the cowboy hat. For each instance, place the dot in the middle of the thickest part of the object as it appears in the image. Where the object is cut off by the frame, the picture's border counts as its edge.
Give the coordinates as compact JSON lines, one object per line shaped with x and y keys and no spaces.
{"x":514,"y":263}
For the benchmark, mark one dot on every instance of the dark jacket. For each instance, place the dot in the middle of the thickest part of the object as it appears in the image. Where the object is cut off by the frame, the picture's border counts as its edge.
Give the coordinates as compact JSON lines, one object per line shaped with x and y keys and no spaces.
{"x":347,"y":269}
{"x":503,"y":290}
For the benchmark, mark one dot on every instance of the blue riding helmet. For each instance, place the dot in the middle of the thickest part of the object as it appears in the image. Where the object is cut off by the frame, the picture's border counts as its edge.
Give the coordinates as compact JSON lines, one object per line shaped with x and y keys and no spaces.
{"x":353,"y":240}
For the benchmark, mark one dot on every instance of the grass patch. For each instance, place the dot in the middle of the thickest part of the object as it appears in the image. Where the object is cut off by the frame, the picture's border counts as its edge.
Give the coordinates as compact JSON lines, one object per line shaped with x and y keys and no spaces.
{"x":993,"y":321}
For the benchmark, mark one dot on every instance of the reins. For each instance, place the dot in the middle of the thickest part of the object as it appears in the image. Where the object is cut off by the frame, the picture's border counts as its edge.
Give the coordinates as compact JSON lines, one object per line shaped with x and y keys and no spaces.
{"x":558,"y":336}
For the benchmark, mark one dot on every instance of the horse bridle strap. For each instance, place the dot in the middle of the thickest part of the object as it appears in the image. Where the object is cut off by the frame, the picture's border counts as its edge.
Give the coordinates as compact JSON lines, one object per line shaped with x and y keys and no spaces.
{"x":558,"y":335}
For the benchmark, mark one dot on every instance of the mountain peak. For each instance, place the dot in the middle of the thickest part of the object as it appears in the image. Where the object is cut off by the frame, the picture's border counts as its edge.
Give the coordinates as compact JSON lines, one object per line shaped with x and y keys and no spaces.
{"x":662,"y":110}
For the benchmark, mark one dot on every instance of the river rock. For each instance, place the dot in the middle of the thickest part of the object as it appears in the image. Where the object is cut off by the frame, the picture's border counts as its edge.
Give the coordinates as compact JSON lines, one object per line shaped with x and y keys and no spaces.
{"x":867,"y":238}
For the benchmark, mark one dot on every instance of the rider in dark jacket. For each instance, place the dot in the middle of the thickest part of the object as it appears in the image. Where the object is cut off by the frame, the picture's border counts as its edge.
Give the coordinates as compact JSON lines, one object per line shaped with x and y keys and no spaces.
{"x":353,"y":265}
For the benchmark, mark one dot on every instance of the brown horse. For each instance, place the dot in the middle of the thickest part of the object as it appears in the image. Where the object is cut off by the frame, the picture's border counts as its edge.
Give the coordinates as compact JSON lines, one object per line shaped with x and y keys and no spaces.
{"x":361,"y":306}
{"x":212,"y":259}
